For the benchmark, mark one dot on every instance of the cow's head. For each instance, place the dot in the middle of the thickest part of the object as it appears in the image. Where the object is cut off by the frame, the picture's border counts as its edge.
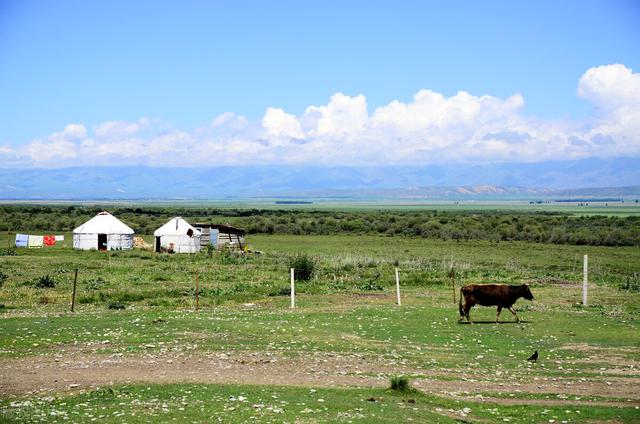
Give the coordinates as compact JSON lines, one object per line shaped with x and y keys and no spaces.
{"x":526,"y":293}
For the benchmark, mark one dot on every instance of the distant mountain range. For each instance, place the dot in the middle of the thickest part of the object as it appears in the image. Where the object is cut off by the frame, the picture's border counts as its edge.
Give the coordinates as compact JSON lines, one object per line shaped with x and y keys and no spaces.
{"x":580,"y":178}
{"x":480,"y":192}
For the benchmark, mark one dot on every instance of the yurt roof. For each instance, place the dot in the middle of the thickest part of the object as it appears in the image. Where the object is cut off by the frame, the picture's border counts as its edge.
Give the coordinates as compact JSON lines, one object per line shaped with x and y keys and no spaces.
{"x":104,"y":223}
{"x":175,"y":227}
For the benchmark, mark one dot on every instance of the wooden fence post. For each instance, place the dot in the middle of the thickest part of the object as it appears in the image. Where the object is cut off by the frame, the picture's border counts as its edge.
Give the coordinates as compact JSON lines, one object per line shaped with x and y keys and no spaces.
{"x":452,"y":275}
{"x":585,"y":280}
{"x":293,"y":289}
{"x":397,"y":287}
{"x":197,"y":293}
{"x":73,"y":294}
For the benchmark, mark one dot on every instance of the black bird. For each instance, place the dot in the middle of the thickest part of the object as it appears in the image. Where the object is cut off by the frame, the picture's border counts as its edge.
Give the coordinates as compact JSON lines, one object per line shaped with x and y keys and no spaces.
{"x":533,"y":357}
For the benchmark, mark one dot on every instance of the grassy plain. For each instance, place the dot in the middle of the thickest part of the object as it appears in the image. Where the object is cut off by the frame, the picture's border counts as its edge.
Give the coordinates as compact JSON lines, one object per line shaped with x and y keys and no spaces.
{"x":246,"y":356}
{"x":630,"y":208}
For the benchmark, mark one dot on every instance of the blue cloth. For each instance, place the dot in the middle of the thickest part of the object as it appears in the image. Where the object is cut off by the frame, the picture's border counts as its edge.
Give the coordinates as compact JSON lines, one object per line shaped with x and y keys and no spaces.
{"x":22,"y":240}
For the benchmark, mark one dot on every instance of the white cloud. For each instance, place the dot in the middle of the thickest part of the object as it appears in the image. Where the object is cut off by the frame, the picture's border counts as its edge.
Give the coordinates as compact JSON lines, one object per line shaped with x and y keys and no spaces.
{"x":51,"y":152}
{"x":278,"y":123}
{"x":70,"y":132}
{"x":343,"y":115}
{"x":610,"y":87}
{"x":430,"y":128}
{"x":433,"y":110}
{"x":614,"y":90}
{"x":120,"y":128}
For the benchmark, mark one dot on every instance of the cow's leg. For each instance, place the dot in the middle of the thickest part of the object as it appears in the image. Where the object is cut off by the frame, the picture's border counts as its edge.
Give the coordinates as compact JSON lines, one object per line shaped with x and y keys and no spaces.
{"x":464,"y":312}
{"x":467,"y":308}
{"x":461,"y":308}
{"x":498,"y":313}
{"x":514,"y":313}
{"x":464,"y":309}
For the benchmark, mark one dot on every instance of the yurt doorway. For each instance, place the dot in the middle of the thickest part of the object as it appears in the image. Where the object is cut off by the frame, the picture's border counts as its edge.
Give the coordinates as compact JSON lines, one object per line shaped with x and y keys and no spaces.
{"x":157,"y":245}
{"x":102,"y":242}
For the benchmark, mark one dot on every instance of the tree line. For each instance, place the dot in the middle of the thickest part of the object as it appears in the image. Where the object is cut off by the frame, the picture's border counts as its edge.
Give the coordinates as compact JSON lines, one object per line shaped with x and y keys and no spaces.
{"x":539,"y":227}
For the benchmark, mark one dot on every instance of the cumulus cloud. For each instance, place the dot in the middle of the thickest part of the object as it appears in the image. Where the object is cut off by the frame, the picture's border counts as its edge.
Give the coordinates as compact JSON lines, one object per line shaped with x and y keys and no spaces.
{"x":614,"y":91}
{"x":430,"y":128}
{"x":341,"y":116}
{"x":610,"y":87}
{"x":70,"y":132}
{"x":278,"y":123}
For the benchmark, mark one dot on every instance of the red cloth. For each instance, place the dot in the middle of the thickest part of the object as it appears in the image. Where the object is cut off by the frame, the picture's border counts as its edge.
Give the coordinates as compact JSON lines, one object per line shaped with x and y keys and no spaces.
{"x":49,"y":240}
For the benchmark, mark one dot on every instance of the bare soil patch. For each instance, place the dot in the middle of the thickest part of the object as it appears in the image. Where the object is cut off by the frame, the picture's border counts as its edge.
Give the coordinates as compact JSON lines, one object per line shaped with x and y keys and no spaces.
{"x":617,"y":360}
{"x":72,"y":371}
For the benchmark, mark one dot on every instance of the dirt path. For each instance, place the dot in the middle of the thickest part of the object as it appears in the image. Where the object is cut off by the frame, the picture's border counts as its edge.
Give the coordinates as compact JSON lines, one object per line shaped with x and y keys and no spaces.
{"x":74,"y":371}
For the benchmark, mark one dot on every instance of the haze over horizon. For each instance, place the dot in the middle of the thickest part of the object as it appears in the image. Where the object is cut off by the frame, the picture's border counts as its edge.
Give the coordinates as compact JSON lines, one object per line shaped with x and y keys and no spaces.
{"x":423,"y":85}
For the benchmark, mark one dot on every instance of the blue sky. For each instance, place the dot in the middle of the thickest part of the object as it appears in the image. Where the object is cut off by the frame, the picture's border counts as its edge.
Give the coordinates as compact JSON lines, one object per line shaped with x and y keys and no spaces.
{"x":103,"y":76}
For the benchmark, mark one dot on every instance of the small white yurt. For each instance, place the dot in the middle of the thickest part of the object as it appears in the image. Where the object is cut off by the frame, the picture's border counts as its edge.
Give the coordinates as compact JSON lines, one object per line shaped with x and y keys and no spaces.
{"x":177,"y":236}
{"x":103,"y":232}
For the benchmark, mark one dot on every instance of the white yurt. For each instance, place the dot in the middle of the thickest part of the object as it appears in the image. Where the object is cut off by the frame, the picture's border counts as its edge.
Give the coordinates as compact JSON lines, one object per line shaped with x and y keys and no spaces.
{"x":103,"y":232}
{"x":177,"y":236}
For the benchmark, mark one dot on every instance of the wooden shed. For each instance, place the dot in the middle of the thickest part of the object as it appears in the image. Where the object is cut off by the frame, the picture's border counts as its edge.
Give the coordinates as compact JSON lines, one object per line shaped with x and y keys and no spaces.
{"x":221,"y":236}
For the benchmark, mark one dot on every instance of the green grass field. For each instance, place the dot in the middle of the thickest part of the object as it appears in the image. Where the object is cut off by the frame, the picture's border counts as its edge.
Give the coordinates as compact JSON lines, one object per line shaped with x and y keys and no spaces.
{"x":245,"y":355}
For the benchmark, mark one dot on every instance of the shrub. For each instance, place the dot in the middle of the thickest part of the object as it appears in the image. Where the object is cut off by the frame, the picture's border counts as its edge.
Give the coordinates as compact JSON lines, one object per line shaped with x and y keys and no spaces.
{"x":371,"y":285}
{"x":228,"y":257}
{"x":338,"y":284}
{"x":95,"y":283}
{"x":401,"y":383}
{"x":304,"y":265}
{"x":43,"y":282}
{"x":8,"y":251}
{"x":160,"y":277}
{"x":92,"y":298}
{"x":282,"y":291}
{"x":630,"y":283}
{"x":115,"y":305}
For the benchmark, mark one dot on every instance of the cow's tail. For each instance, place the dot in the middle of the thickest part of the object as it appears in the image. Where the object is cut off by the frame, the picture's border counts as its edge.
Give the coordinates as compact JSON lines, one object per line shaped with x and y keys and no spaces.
{"x":460,"y":304}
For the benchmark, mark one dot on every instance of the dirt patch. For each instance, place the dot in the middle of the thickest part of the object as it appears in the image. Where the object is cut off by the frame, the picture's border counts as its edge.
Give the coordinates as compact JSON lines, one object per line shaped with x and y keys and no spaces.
{"x":618,"y":357}
{"x":70,"y":371}
{"x":583,"y":347}
{"x":459,"y":389}
{"x":542,"y":402}
{"x":29,"y":375}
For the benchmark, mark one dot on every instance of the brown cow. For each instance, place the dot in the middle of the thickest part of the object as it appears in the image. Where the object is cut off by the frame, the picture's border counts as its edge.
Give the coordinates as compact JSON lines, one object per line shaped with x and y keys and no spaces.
{"x":500,"y":295}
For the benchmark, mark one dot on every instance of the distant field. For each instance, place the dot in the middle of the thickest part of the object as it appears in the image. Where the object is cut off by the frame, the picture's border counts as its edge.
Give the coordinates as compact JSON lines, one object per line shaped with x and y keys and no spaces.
{"x":612,"y":209}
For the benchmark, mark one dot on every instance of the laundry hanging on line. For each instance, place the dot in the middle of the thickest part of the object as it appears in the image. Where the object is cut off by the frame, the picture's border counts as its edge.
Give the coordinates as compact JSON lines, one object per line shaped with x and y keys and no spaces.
{"x":22,"y":240}
{"x":26,"y":240}
{"x":49,"y":240}
{"x":36,"y":241}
